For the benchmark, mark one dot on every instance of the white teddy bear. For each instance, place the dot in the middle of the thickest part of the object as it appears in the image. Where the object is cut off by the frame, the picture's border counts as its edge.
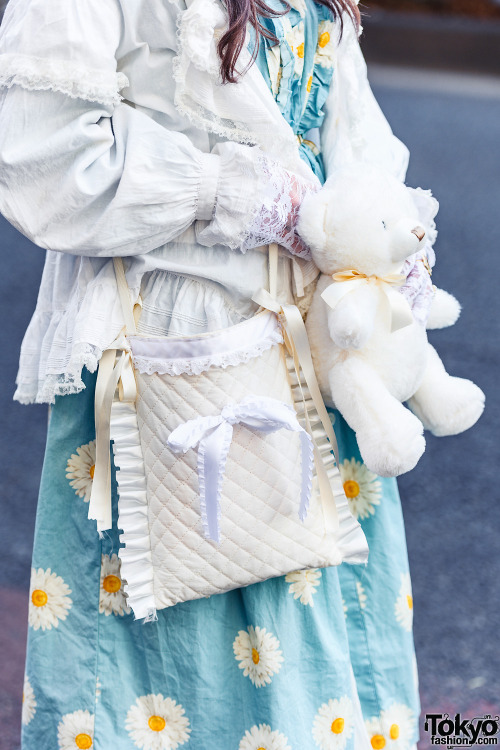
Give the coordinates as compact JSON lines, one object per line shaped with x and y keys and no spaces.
{"x":369,"y":351}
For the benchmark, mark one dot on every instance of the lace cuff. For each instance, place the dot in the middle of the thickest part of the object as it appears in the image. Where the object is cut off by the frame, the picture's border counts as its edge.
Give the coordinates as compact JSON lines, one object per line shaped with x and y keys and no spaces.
{"x":257,"y":202}
{"x":64,"y":76}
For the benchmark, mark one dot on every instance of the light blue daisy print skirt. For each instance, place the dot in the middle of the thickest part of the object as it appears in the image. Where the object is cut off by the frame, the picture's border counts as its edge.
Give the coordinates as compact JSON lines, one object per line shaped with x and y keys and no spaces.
{"x":266,"y":667}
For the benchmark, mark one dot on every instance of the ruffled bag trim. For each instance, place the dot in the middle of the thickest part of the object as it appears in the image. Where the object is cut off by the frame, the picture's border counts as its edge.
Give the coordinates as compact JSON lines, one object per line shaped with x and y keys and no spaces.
{"x":65,"y":76}
{"x":349,"y":537}
{"x":137,"y":564}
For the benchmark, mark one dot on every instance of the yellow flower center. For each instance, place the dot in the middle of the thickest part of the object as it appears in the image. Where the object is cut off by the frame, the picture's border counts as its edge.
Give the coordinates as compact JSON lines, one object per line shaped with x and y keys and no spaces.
{"x":156,"y":723}
{"x":39,"y":598}
{"x":351,"y":488}
{"x":255,"y":656}
{"x":83,"y":741}
{"x":378,"y":742}
{"x":111,"y":584}
{"x":409,"y":599}
{"x":394,"y":732}
{"x":92,"y":471}
{"x":309,"y":84}
{"x":300,"y":50}
{"x":338,"y":725}
{"x":324,"y":39}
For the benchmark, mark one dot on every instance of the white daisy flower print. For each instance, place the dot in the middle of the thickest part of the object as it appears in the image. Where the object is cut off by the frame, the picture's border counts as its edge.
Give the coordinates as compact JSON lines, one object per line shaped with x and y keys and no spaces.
{"x":376,"y":733}
{"x":29,"y":703}
{"x":399,"y":724}
{"x":393,"y":729}
{"x":333,"y":724}
{"x":157,"y":723}
{"x":273,"y":55}
{"x":80,"y":470}
{"x":112,"y":598}
{"x":300,"y":6}
{"x":303,"y":584}
{"x":259,"y":655}
{"x":327,"y":40}
{"x":49,"y":599}
{"x":76,"y":731}
{"x":263,"y":738}
{"x":361,"y":594}
{"x":296,"y":40}
{"x":403,"y":608}
{"x":362,"y":488}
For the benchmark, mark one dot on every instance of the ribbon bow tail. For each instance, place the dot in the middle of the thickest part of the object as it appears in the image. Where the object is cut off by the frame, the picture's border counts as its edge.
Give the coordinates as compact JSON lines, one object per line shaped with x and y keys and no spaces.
{"x":213,"y":437}
{"x":212,"y":455}
{"x":401,"y":314}
{"x":307,"y":458}
{"x":269,"y":415}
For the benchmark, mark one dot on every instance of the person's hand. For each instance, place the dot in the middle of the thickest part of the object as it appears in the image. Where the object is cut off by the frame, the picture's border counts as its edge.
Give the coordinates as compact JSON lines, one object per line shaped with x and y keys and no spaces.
{"x":257,"y":201}
{"x":275,"y":220}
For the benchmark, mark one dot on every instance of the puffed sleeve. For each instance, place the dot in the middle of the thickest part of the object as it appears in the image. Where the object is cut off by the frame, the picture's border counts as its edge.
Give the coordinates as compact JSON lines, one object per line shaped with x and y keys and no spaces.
{"x":81,"y":170}
{"x":355,"y":127}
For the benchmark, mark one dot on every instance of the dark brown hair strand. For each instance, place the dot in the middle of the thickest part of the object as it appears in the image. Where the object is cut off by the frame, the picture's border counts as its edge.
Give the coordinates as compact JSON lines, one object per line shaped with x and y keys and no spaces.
{"x":241,"y":12}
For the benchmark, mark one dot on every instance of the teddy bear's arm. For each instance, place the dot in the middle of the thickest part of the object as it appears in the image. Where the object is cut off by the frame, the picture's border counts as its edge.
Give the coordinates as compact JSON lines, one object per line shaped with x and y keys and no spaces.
{"x":352,"y":320}
{"x":445,"y":310}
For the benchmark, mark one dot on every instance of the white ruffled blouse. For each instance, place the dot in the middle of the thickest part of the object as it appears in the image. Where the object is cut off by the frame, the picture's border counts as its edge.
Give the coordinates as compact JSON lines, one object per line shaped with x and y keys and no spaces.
{"x":117,"y":138}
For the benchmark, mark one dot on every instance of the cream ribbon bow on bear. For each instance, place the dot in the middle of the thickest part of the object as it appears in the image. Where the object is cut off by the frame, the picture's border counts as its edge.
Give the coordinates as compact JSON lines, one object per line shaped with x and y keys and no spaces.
{"x":349,"y":281}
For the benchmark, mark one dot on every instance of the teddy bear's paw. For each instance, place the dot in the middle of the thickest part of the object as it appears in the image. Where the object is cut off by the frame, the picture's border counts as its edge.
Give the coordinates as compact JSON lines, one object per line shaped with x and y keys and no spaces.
{"x":396,"y":450}
{"x":453,"y":408}
{"x":445,"y":310}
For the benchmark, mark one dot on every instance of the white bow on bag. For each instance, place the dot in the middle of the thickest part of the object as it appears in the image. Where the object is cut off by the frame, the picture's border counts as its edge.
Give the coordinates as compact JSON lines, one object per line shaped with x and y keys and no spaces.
{"x":213,"y":436}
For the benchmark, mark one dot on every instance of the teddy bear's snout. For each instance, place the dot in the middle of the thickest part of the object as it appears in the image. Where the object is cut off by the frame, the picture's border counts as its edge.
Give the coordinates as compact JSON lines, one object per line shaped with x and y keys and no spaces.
{"x":419,"y":232}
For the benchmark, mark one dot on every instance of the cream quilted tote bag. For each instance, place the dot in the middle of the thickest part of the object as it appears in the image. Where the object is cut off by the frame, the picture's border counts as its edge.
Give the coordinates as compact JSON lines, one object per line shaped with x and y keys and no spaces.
{"x":220,"y":483}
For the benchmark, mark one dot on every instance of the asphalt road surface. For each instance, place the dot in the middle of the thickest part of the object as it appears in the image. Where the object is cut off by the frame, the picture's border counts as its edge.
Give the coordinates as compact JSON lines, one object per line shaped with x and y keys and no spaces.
{"x":451,"y":500}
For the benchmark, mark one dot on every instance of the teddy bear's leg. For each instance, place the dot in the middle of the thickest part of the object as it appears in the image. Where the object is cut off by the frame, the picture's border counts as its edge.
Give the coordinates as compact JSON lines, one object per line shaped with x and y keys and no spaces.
{"x":446,"y":405}
{"x":389,"y":436}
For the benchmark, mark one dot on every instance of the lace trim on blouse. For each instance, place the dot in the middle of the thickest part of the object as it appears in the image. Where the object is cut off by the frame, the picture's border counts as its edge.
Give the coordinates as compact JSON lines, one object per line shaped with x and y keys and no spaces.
{"x":64,"y":76}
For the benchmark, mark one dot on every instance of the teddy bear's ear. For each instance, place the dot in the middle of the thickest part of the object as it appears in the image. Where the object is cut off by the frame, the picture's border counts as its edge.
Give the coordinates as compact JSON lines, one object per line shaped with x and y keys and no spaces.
{"x":312,"y":219}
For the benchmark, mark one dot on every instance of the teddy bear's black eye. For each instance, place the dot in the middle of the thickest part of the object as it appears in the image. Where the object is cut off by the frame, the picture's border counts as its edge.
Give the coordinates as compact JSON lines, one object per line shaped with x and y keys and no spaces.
{"x":384,"y":225}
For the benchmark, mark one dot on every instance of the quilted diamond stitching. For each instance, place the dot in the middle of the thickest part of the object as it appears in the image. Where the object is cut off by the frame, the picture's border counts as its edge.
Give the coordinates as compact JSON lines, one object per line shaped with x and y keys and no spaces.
{"x":262,"y":536}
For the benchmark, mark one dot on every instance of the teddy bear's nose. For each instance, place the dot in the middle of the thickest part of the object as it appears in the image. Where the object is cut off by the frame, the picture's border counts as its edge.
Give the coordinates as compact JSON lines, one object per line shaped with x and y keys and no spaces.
{"x":419,"y":232}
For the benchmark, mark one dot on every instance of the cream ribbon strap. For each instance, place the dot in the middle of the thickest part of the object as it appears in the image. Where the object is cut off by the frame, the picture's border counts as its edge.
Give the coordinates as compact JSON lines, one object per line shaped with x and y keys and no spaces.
{"x":213,"y":436}
{"x":115,"y":371}
{"x":345,"y":282}
{"x":297,"y":344}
